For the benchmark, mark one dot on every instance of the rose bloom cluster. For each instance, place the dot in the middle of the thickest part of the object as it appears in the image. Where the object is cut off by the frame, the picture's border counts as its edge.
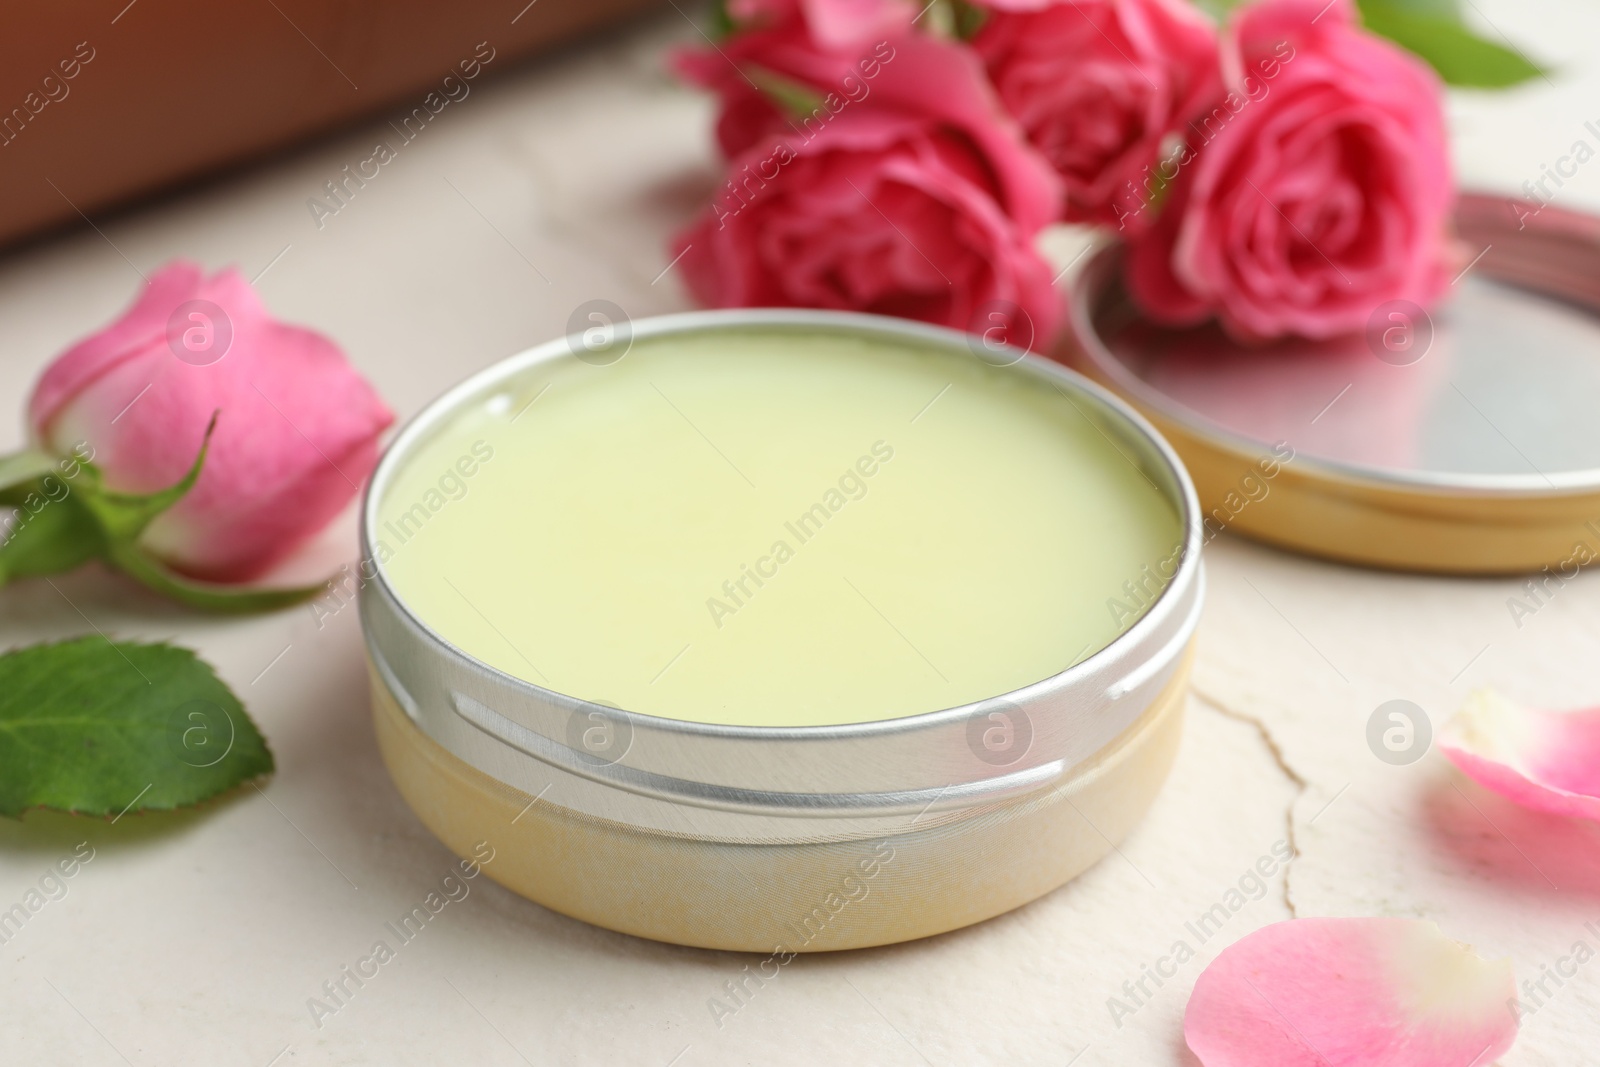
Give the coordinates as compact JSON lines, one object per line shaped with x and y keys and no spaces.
{"x":1285,"y":174}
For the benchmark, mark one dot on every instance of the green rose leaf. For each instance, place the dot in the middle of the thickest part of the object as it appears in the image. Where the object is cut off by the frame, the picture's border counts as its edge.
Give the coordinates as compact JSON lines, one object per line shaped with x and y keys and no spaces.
{"x":1459,"y":55}
{"x":1433,"y":30}
{"x":99,"y":728}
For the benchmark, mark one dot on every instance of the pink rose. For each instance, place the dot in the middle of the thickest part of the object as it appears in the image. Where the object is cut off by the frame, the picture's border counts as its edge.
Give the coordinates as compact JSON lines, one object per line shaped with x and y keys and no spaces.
{"x":1098,"y":85}
{"x":297,"y":427}
{"x":834,"y":24}
{"x":905,"y":191}
{"x":879,"y":212}
{"x":1315,"y":191}
{"x":917,"y":75}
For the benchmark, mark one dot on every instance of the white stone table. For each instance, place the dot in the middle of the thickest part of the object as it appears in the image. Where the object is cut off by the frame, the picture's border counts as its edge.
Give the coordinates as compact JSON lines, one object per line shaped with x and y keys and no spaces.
{"x":197,"y":938}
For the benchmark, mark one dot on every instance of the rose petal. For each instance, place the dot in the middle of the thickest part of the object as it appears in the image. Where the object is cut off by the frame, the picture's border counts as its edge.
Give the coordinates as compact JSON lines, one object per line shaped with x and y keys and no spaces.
{"x":144,"y":321}
{"x":842,"y":24}
{"x":836,"y":25}
{"x":1545,"y":760}
{"x":1351,"y":993}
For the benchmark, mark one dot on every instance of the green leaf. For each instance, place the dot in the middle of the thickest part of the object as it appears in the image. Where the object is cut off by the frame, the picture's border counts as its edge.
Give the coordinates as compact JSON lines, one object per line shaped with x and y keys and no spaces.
{"x":1459,"y":55}
{"x":99,"y":728}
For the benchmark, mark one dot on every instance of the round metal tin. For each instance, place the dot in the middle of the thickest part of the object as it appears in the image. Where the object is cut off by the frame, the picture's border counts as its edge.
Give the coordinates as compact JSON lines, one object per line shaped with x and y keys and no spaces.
{"x":1459,"y":441}
{"x":734,"y":837}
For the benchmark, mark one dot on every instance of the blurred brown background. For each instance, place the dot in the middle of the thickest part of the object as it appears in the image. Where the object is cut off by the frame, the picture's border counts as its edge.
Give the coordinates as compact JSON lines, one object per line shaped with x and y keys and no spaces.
{"x":105,"y":101}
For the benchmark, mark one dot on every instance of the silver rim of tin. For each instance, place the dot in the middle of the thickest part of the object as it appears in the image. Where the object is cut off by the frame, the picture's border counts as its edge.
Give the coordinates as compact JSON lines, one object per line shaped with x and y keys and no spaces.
{"x":1099,"y":274}
{"x":783,"y":784}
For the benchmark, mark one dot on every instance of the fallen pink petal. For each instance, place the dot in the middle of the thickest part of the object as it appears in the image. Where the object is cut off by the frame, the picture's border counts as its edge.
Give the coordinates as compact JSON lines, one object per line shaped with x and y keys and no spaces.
{"x":1545,"y":760}
{"x":1351,"y":993}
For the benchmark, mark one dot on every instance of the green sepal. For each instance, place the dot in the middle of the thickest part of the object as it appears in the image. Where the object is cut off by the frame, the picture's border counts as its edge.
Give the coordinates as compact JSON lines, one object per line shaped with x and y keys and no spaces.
{"x":968,"y":19}
{"x":48,"y":534}
{"x":720,"y":23}
{"x":795,"y":98}
{"x":22,"y":468}
{"x":124,"y":516}
{"x":207,"y":596}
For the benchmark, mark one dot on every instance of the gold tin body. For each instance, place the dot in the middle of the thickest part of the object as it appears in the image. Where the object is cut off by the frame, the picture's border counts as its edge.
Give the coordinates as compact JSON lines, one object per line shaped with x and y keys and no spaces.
{"x":932,"y":876}
{"x":787,"y":840}
{"x":1365,"y":506}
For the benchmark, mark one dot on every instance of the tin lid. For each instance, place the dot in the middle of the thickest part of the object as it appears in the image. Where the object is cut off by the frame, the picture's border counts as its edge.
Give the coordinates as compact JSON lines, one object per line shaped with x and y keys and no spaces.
{"x":1457,"y":440}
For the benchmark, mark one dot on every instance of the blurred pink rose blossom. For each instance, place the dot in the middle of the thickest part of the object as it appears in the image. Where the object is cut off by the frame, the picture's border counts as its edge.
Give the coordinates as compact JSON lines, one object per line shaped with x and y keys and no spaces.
{"x":880,"y":212}
{"x":297,"y":428}
{"x":936,"y":80}
{"x":904,"y":191}
{"x":1099,"y":86}
{"x":833,"y":24}
{"x":1317,"y":189}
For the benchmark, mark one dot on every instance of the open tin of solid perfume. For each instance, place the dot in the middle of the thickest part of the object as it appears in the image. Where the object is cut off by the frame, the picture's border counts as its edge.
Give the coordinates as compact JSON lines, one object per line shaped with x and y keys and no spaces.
{"x":1461,"y":440}
{"x":779,"y":631}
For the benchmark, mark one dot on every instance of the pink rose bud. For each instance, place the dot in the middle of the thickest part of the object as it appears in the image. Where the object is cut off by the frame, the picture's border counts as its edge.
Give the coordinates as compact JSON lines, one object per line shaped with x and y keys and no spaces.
{"x":296,"y":434}
{"x":1098,"y":86}
{"x":1315,"y":190}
